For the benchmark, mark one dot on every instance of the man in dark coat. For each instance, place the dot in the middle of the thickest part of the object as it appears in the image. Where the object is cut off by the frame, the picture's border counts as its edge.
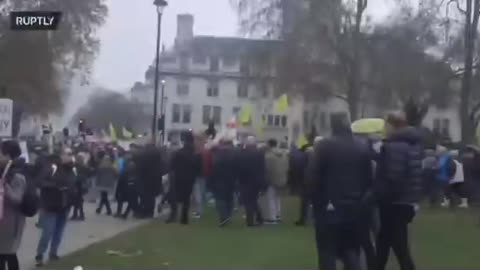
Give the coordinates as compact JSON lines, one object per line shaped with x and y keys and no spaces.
{"x":398,"y":189}
{"x":222,"y":180}
{"x":186,"y":166}
{"x":57,"y":194}
{"x":251,"y":176}
{"x":341,"y":181}
{"x":150,"y":169}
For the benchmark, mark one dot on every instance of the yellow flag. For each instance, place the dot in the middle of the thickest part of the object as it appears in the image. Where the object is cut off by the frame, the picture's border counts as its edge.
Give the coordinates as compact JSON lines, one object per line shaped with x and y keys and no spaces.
{"x":302,"y":141}
{"x":113,"y":133}
{"x":126,"y":134}
{"x":281,"y":104}
{"x":246,"y":114}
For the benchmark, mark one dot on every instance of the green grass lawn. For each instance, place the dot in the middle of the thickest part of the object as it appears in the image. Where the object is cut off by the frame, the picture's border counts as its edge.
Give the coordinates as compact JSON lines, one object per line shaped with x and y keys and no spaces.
{"x":442,"y":240}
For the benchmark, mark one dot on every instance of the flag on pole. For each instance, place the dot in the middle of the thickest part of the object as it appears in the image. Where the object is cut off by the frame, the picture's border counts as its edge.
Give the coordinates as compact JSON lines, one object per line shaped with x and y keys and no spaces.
{"x":113,"y":133}
{"x":281,"y":104}
{"x":127,"y":134}
{"x":246,"y":114}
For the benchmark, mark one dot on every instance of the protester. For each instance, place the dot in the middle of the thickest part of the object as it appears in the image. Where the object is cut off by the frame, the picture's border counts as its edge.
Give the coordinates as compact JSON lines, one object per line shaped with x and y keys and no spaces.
{"x":199,"y":197}
{"x":276,"y":169}
{"x":446,"y":169}
{"x":106,"y":177}
{"x":12,"y":220}
{"x":186,"y":167}
{"x":83,"y":173}
{"x":127,"y":190}
{"x":399,"y":189}
{"x":57,"y":193}
{"x":471,"y":167}
{"x":150,"y":169}
{"x":456,"y":187}
{"x":341,"y":182}
{"x":223,"y":178}
{"x":430,"y":173}
{"x":251,"y":174}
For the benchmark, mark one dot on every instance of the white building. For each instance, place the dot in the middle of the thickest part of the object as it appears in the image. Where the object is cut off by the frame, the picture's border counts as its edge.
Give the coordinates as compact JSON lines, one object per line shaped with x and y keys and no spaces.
{"x":211,"y":78}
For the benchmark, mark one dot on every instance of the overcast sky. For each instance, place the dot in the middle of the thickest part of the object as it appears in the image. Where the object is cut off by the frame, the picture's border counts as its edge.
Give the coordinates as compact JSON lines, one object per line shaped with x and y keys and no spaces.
{"x":128,"y":37}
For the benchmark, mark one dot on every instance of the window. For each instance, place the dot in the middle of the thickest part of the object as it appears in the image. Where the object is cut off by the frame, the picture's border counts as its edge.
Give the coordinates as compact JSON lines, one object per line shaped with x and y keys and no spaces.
{"x":217,"y":115}
{"x":263,"y":89}
{"x":436,"y":126}
{"x":176,"y":112}
{"x":270,"y":120}
{"x":242,"y":90}
{"x":277,"y":120}
{"x":199,"y":59}
{"x":446,"y":127}
{"x":244,"y":67}
{"x":212,"y":113}
{"x":236,"y":110}
{"x":284,"y":121}
{"x":206,"y":114}
{"x":306,"y":118}
{"x":229,"y":61}
{"x":212,"y":89}
{"x":182,"y":113}
{"x":214,"y":64}
{"x":183,"y":87}
{"x":187,"y":114}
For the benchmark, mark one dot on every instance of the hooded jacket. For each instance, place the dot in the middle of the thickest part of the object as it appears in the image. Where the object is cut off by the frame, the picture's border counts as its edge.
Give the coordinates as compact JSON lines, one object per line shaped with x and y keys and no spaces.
{"x":399,"y":169}
{"x":276,"y":167}
{"x":13,"y":221}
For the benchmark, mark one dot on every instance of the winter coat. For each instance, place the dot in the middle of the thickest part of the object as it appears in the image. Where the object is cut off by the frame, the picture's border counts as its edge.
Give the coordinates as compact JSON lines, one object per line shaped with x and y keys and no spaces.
{"x":297,"y":167}
{"x":399,"y":168}
{"x":151,"y":166}
{"x":276,"y":167}
{"x":186,"y":167}
{"x":341,"y":173}
{"x":13,"y":222}
{"x":223,"y":177}
{"x":57,"y":188}
{"x":251,"y":169}
{"x":106,"y":176}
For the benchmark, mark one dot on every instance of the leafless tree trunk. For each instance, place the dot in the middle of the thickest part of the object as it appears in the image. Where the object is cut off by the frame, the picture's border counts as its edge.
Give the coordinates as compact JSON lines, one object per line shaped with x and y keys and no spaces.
{"x":471,"y":13}
{"x":354,"y":88}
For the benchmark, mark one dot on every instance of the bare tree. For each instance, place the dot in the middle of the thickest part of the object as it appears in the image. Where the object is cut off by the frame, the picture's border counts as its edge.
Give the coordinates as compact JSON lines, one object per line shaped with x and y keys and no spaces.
{"x":36,"y":67}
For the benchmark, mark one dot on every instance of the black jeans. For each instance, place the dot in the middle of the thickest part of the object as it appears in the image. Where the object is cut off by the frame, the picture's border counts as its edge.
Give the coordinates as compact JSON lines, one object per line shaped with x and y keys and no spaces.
{"x":104,"y":202}
{"x":181,"y":195}
{"x":252,"y":209}
{"x":338,"y":241}
{"x":394,"y":219}
{"x":9,"y":261}
{"x":305,"y":203}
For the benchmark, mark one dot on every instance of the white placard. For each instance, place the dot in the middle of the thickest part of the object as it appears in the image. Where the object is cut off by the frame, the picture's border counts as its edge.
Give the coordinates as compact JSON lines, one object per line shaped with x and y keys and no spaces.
{"x":6,"y":113}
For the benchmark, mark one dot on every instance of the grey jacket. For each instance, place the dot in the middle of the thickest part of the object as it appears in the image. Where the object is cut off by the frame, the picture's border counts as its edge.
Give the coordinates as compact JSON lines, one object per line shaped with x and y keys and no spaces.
{"x":13,"y":221}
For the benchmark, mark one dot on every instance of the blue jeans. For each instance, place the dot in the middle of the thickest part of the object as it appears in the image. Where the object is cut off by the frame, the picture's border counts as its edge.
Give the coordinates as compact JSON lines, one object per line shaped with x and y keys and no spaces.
{"x":52,"y":226}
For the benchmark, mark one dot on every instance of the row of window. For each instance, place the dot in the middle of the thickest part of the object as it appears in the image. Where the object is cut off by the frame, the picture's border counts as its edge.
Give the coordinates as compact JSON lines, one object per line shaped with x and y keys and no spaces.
{"x":442,"y":127}
{"x":213,"y":89}
{"x":214,"y":62}
{"x":182,"y":113}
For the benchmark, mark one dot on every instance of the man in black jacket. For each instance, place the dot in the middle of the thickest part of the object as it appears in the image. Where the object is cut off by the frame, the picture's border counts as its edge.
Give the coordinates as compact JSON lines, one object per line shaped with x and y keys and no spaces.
{"x":398,"y":188}
{"x":186,"y":166}
{"x":251,"y":177}
{"x":341,"y":182}
{"x":57,"y":192}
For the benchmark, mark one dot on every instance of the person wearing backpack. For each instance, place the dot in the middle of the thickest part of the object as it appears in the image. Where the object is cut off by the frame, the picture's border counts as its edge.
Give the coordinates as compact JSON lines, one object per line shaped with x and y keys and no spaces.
{"x":12,"y":219}
{"x":276,"y":170}
{"x":57,"y":195}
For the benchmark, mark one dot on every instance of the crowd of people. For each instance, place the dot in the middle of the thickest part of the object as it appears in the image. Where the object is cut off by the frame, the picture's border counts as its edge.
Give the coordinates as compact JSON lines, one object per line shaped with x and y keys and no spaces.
{"x":361,"y":192}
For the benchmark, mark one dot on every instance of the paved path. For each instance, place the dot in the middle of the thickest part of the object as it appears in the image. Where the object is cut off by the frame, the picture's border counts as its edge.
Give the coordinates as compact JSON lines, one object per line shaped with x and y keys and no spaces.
{"x":78,"y":235}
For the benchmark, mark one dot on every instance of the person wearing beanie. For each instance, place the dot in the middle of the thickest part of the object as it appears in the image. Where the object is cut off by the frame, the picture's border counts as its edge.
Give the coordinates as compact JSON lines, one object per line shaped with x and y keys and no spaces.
{"x":12,"y":220}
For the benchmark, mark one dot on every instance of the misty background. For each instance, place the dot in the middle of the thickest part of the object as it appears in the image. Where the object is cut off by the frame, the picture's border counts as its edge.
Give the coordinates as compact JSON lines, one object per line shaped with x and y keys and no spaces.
{"x":129,"y":35}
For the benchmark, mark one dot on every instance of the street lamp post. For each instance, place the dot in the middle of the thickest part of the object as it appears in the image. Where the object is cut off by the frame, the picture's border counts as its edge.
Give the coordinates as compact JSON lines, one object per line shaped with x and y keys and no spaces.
{"x":160,"y":4}
{"x":162,"y":110}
